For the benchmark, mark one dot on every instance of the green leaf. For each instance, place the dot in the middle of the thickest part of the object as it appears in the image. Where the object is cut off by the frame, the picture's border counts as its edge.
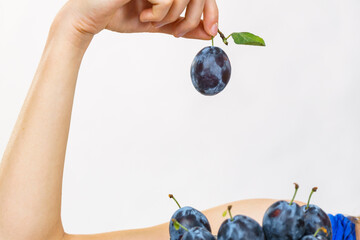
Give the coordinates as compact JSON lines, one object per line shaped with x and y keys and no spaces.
{"x":247,"y":38}
{"x":224,"y":213}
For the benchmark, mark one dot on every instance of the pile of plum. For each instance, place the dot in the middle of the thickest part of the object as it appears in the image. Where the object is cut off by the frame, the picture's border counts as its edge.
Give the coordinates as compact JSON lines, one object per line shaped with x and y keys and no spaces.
{"x":282,"y":221}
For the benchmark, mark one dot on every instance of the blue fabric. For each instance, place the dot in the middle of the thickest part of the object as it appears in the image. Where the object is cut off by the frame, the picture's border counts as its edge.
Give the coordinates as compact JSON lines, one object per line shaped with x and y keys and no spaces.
{"x":342,"y":227}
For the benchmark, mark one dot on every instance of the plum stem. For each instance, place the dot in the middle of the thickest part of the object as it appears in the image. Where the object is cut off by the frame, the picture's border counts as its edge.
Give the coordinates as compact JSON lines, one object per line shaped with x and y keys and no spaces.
{"x":223,"y":37}
{"x":321,"y":229}
{"x":314,"y":189}
{"x":179,"y":224}
{"x":172,"y":196}
{"x":229,"y":210}
{"x":212,"y":41}
{"x":296,"y":189}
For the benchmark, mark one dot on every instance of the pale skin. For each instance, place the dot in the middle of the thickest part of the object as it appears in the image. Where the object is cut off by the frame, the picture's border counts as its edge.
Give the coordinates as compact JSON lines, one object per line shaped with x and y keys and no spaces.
{"x":31,"y":169}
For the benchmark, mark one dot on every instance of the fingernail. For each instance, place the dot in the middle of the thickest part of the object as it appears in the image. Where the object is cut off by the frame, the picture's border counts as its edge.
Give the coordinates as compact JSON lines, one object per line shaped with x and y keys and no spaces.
{"x":214,"y":29}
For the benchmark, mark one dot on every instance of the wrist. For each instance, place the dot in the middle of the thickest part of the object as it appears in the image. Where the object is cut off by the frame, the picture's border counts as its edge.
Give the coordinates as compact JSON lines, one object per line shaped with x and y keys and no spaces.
{"x":63,"y":31}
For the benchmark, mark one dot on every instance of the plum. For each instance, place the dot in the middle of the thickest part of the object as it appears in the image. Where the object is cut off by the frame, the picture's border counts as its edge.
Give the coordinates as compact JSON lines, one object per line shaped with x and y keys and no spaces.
{"x":240,"y":227}
{"x":317,"y":236}
{"x":284,"y":220}
{"x":210,"y":70}
{"x":316,"y":218}
{"x":188,"y":217}
{"x":198,"y":233}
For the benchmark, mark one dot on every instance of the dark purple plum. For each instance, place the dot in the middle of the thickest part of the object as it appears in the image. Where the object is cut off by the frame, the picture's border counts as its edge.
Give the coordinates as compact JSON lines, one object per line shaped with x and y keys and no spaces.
{"x":316,"y":236}
{"x":316,"y":218}
{"x":198,"y":233}
{"x":189,"y":218}
{"x":284,"y":220}
{"x":240,"y":228}
{"x":210,"y":70}
{"x":311,"y":237}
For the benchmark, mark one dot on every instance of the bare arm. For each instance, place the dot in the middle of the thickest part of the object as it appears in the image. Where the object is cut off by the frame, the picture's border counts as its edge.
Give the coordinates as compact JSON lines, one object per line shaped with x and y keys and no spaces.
{"x":254,"y":208}
{"x":31,"y":170}
{"x":32,"y":167}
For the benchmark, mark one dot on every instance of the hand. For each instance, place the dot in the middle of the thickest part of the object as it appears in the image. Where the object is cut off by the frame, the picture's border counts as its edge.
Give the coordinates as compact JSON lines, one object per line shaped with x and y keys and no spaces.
{"x":89,"y":17}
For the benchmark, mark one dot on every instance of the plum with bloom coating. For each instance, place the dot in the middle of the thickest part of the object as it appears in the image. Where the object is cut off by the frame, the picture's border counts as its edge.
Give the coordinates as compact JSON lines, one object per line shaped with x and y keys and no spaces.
{"x":316,"y":235}
{"x":311,"y":237}
{"x":315,"y":218}
{"x":240,"y":228}
{"x":210,"y":70}
{"x":188,"y":217}
{"x":198,"y":233}
{"x":284,"y":220}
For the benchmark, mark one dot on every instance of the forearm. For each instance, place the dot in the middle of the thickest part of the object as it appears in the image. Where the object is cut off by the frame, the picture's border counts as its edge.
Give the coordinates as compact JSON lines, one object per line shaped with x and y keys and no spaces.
{"x":253,"y":208}
{"x":32,"y":166}
{"x":160,"y":232}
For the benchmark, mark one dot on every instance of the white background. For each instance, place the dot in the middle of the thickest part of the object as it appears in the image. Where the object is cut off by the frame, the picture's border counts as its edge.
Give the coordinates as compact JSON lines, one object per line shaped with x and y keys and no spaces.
{"x":139,"y":130}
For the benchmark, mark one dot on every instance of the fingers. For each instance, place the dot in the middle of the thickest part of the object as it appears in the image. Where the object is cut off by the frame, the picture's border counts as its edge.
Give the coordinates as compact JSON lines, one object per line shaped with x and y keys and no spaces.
{"x":211,"y":17}
{"x":165,"y":14}
{"x":175,"y":11}
{"x":192,"y":18}
{"x":196,"y":33}
{"x":114,"y":4}
{"x":159,"y":10}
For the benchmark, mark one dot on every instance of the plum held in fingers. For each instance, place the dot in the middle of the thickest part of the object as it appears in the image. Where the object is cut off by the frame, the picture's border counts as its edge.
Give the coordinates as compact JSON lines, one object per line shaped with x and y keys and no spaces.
{"x":284,"y":220}
{"x":240,"y":227}
{"x":316,"y":218}
{"x":210,"y":70}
